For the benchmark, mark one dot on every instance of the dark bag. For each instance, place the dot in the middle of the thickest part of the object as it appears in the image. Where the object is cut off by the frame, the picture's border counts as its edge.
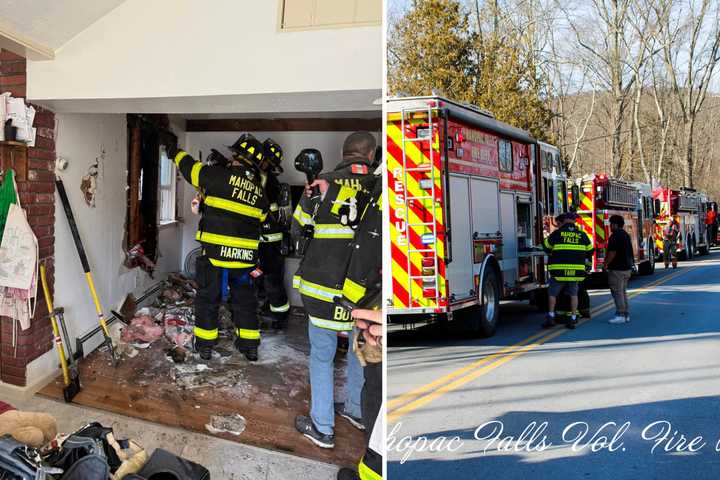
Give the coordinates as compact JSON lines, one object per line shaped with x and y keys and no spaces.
{"x":163,"y":465}
{"x":15,"y":463}
{"x":89,"y":467}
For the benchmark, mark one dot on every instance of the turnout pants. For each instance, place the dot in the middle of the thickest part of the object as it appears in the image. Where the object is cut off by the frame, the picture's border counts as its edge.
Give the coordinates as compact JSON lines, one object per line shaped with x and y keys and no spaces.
{"x":669,"y":252}
{"x":241,"y":302}
{"x":272,"y":281}
{"x":370,"y":467}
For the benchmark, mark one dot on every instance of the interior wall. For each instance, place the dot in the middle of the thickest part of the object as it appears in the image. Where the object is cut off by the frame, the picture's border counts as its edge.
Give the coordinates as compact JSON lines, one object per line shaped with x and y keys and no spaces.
{"x":329,"y":144}
{"x":81,"y":138}
{"x":180,"y":48}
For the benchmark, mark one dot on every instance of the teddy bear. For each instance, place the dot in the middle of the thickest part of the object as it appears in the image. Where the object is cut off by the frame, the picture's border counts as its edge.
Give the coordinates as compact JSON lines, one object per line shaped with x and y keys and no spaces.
{"x":30,"y":428}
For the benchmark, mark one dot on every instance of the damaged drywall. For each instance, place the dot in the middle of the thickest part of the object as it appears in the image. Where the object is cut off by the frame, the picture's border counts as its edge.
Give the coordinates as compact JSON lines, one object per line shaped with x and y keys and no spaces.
{"x":89,"y":181}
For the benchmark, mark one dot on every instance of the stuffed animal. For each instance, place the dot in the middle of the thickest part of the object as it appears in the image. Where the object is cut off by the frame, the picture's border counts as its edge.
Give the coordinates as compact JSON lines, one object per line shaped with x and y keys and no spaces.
{"x":31,"y":428}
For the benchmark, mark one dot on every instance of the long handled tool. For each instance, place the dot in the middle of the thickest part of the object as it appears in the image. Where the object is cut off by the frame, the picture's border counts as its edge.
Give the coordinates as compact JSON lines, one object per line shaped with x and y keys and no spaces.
{"x":86,"y":269}
{"x":71,"y":376}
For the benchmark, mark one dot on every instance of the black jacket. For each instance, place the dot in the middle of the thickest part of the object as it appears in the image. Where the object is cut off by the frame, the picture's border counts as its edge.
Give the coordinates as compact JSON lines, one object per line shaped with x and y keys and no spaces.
{"x":235,"y":205}
{"x":568,"y":248}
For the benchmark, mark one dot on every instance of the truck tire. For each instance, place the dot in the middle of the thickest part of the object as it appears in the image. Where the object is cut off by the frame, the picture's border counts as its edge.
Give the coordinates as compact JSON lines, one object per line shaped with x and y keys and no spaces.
{"x":485,"y":319}
{"x":648,"y":267}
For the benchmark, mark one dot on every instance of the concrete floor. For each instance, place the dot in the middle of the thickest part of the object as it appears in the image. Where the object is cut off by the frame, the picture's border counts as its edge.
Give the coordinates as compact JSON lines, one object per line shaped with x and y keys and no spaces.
{"x":226,"y":460}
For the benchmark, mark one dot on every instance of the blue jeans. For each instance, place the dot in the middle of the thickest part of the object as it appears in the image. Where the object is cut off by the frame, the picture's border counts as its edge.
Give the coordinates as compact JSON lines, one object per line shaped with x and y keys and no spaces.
{"x":323,"y":344}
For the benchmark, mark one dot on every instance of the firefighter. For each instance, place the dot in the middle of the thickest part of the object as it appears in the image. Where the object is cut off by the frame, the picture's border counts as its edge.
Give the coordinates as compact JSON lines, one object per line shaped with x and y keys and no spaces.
{"x":234,"y":206}
{"x":671,"y":235}
{"x":272,"y":238}
{"x":710,"y":220}
{"x":568,"y":248}
{"x":326,"y":242}
{"x":361,"y":288}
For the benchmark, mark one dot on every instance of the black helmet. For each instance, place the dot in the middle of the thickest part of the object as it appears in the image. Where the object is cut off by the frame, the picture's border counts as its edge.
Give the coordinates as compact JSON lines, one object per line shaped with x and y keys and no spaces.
{"x":273,"y":153}
{"x":248,"y":148}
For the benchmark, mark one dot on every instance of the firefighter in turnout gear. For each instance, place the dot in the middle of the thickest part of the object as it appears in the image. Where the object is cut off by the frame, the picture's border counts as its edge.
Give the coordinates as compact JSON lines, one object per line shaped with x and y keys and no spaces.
{"x":568,"y":248}
{"x":234,"y":206}
{"x":273,"y":236}
{"x":671,"y":235}
{"x":328,"y":219}
{"x":361,"y":289}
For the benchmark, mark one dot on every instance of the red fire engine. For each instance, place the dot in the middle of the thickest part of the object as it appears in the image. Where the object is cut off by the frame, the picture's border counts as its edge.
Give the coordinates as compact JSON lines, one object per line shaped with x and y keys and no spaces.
{"x":464,"y":229}
{"x":688,"y":206}
{"x":598,"y":197}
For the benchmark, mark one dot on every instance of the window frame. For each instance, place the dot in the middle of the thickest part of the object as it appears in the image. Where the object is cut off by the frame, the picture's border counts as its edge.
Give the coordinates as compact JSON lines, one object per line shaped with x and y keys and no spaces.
{"x":502,"y":141}
{"x":171,"y":188}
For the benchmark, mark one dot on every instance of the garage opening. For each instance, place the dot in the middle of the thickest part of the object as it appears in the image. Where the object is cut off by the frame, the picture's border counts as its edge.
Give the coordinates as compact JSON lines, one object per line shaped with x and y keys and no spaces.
{"x":143,"y":244}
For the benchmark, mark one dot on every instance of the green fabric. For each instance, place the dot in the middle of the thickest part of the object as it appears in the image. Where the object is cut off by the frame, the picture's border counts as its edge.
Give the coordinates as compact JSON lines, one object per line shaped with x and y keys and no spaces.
{"x":8,"y":196}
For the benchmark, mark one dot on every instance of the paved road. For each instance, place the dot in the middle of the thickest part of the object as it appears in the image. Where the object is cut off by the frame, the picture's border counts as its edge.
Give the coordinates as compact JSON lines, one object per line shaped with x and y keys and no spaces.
{"x":662,"y":367}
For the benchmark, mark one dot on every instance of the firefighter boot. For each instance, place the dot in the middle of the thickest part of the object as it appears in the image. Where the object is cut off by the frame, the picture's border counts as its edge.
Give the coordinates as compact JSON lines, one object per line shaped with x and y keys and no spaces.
{"x":674,"y":263}
{"x":250,"y":352}
{"x":205,"y":351}
{"x":549,"y":321}
{"x":280,"y":321}
{"x":667,"y":264}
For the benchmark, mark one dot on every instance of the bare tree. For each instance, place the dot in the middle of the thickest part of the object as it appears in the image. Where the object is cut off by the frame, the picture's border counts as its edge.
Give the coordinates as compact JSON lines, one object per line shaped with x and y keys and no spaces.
{"x":690,"y":38}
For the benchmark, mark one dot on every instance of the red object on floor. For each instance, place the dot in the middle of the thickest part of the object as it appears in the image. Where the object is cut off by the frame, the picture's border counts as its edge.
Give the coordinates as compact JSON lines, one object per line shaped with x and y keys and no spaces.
{"x":4,"y":407}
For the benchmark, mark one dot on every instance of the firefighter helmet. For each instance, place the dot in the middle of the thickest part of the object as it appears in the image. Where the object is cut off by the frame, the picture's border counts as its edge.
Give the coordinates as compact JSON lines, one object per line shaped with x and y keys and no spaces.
{"x":273,"y":153}
{"x":248,"y":148}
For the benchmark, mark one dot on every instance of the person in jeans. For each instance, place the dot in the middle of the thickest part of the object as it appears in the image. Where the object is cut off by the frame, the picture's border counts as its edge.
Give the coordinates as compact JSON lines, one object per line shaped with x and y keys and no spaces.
{"x":619,"y":261}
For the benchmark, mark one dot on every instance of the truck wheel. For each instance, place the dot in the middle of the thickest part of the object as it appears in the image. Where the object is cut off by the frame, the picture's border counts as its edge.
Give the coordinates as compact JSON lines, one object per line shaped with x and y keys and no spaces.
{"x":484,"y":321}
{"x":691,"y":249}
{"x":648,"y":267}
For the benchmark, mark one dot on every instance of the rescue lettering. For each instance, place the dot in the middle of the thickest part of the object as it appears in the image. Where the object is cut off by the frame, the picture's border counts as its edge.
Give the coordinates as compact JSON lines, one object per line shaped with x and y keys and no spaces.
{"x":237,"y":253}
{"x":400,"y":214}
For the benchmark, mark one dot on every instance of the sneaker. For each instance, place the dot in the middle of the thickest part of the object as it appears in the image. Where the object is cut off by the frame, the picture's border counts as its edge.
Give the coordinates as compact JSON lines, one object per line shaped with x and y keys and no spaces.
{"x":347,"y":474}
{"x":305,"y":426}
{"x":354,"y":421}
{"x":571,"y":323}
{"x":549,"y":322}
{"x":618,"y":319}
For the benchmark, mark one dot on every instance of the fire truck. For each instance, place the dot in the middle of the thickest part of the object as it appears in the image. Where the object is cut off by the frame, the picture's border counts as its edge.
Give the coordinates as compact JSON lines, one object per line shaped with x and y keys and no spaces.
{"x":464,"y":229}
{"x":688,"y":206}
{"x":596,"y":197}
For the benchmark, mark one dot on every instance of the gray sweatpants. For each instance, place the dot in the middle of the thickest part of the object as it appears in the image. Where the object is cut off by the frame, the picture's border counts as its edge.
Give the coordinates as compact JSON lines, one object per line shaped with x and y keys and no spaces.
{"x":618,"y":281}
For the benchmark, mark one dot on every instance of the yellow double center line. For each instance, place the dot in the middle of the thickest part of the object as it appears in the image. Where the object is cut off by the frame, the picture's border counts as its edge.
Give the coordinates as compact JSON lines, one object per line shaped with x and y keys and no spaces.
{"x":414,"y":399}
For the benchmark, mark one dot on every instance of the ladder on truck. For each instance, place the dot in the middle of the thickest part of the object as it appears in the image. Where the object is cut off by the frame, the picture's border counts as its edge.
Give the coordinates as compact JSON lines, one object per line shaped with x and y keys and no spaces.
{"x":427,"y":281}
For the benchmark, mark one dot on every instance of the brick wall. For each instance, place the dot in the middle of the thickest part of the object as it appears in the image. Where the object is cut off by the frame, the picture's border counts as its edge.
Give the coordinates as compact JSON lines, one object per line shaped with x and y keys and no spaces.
{"x":37,"y":196}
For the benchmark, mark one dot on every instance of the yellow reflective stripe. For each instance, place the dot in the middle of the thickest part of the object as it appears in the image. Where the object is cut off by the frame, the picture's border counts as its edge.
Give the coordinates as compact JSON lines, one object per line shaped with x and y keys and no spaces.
{"x":566,"y":266}
{"x":569,"y":246}
{"x":333,"y":230}
{"x":588,"y":247}
{"x":367,"y":473}
{"x":205,"y":334}
{"x":331,"y":324}
{"x":274,"y":207}
{"x":342,"y":197}
{"x":569,"y":279}
{"x":353,"y":291}
{"x":280,"y":309}
{"x":247,"y":334}
{"x":226,"y":241}
{"x":180,"y":155}
{"x":224,"y":264}
{"x":195,"y":174}
{"x":271,"y":237}
{"x":316,"y":291}
{"x":296,"y":281}
{"x":235,"y":207}
{"x":546,"y":242}
{"x":302,"y":217}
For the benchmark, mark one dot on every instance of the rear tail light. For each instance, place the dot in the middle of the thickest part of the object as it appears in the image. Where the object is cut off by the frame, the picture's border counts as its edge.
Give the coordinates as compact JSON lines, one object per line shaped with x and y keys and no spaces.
{"x":429,"y":290}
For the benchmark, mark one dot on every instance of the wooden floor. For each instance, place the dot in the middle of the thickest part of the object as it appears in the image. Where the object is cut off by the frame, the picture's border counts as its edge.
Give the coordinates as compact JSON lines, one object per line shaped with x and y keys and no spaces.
{"x":268,"y":394}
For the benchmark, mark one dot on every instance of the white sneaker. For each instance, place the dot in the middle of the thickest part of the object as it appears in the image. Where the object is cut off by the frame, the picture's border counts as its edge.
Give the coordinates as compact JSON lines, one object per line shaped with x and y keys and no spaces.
{"x":618,"y":319}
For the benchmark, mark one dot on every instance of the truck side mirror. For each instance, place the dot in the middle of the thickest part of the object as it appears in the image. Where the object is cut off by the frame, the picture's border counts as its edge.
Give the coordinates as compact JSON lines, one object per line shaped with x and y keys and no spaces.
{"x":575,"y":190}
{"x":656,"y":207}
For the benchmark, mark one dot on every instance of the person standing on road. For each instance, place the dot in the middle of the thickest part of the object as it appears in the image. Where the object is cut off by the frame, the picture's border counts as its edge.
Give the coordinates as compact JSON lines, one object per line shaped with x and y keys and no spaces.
{"x":568,"y":247}
{"x":710,"y":219}
{"x":671,"y":233}
{"x":619,"y":261}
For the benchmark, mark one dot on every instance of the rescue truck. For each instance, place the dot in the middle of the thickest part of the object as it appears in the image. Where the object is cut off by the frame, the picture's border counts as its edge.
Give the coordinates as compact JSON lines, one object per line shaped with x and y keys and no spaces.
{"x":465,"y":228}
{"x":689,"y":207}
{"x":596,"y":197}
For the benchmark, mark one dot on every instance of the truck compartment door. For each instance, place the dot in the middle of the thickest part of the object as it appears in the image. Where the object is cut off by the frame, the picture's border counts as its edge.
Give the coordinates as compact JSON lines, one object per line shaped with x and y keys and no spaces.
{"x":460,"y":271}
{"x":508,"y":217}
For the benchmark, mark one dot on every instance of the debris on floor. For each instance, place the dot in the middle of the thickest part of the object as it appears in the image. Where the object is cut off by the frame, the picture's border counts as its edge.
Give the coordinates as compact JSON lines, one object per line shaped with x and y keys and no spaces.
{"x":232,"y":424}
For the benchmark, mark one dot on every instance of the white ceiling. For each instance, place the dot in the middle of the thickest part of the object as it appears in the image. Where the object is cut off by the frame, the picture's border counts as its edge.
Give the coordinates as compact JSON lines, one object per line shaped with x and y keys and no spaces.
{"x":51,"y":23}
